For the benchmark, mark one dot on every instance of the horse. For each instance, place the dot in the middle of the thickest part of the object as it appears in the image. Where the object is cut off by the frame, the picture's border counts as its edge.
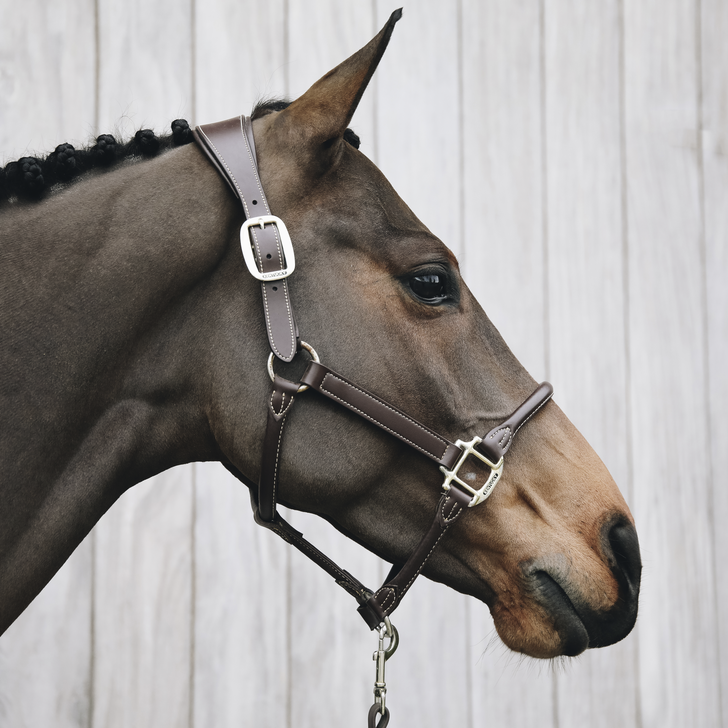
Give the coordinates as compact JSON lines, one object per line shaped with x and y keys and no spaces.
{"x":134,"y":341}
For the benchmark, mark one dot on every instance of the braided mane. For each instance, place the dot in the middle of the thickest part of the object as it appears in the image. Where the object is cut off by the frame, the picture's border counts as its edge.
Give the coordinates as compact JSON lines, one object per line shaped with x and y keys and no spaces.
{"x":30,"y":178}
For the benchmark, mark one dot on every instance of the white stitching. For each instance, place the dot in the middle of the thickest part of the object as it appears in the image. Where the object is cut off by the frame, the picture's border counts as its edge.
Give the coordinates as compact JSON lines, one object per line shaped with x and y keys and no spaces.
{"x":260,"y":256}
{"x":255,"y":168}
{"x":545,"y":402}
{"x":232,"y":176}
{"x":371,"y":419}
{"x":448,"y":520}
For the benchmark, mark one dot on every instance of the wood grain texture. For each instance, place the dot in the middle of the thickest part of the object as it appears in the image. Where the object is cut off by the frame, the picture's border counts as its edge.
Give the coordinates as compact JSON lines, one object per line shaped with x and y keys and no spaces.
{"x":503,"y":214}
{"x":47,"y":75}
{"x":47,"y":58}
{"x":241,"y":604}
{"x":330,"y":644}
{"x":241,"y":637}
{"x":418,"y":109}
{"x":612,"y":263}
{"x":143,"y":556}
{"x":714,"y":148}
{"x":142,"y":606}
{"x":587,"y":341}
{"x":145,"y":64}
{"x":678,"y":669}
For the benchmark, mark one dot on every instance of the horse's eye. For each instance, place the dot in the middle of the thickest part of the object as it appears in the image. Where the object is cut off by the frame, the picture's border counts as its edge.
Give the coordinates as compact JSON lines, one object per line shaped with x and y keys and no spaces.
{"x":430,"y":287}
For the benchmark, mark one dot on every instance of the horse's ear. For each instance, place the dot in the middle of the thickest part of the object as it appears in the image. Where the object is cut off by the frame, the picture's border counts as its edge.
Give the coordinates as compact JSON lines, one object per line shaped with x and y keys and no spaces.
{"x":316,"y":121}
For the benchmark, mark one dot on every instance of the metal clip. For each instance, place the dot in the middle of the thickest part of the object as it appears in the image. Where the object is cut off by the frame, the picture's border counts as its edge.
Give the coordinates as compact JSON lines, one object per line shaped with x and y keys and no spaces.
{"x":380,"y":657}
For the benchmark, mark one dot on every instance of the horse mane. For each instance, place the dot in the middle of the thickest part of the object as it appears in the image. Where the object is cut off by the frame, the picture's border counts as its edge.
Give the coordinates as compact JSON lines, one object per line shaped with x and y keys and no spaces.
{"x":30,"y":178}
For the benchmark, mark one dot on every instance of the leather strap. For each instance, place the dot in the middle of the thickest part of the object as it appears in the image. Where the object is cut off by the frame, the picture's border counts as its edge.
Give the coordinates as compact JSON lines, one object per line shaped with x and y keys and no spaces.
{"x":230,"y":146}
{"x":222,"y":143}
{"x":381,"y":413}
{"x":280,"y":402}
{"x":375,"y":607}
{"x":387,"y":598}
{"x":497,"y":442}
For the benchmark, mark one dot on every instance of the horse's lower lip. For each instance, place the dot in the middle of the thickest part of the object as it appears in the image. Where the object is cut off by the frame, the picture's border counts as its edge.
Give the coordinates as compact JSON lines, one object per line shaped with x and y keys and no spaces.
{"x":567,"y":622}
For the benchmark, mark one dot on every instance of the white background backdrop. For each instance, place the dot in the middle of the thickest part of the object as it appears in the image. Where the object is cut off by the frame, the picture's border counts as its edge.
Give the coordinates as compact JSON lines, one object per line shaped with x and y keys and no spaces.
{"x":581,"y":143}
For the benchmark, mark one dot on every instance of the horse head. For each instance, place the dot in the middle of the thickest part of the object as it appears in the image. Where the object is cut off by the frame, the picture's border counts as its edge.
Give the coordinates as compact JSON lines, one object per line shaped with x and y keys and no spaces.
{"x":554,"y":552}
{"x":159,"y":341}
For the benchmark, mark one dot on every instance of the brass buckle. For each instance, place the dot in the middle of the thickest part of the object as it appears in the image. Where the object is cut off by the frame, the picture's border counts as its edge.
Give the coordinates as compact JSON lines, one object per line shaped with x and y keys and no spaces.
{"x":496,"y":469}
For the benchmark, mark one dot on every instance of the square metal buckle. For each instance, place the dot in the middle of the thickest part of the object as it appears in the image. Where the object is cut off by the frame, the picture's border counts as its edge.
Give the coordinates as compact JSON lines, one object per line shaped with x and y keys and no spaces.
{"x":246,"y":244}
{"x":496,"y":469}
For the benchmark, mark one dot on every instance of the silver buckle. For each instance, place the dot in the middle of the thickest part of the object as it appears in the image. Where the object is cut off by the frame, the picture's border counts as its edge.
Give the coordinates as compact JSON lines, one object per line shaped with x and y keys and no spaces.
{"x":246,"y":244}
{"x":496,"y":469}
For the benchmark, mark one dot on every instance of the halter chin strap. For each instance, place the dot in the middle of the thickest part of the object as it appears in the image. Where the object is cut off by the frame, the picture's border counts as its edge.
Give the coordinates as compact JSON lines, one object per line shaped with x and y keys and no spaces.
{"x":269,"y":255}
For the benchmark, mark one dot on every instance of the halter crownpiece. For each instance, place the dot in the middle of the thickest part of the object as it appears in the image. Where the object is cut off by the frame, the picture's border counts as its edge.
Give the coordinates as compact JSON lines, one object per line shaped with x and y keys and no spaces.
{"x":268,"y":254}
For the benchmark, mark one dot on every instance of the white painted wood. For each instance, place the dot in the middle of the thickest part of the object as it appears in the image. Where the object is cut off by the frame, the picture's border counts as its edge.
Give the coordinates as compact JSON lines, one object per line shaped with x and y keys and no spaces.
{"x":241,"y":606}
{"x":143,"y":558}
{"x":714,"y":148}
{"x":145,"y":65}
{"x":241,"y":637}
{"x":198,"y":637}
{"x":678,"y":668}
{"x":587,"y":341}
{"x":418,"y":149}
{"x":45,"y":656}
{"x":332,"y":673}
{"x":47,"y":92}
{"x":502,"y":191}
{"x":240,"y":56}
{"x":47,"y":55}
{"x":142,"y":596}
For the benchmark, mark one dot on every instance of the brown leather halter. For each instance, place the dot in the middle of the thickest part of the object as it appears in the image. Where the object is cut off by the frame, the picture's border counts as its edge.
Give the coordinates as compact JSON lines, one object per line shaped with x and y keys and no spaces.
{"x":268,"y":253}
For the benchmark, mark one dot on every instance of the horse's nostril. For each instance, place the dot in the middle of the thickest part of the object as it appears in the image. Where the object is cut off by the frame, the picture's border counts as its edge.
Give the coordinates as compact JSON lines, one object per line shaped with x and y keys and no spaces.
{"x":624,"y":548}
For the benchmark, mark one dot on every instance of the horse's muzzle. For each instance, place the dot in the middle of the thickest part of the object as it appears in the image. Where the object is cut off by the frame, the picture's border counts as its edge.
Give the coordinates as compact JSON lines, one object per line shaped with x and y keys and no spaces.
{"x":579,"y":625}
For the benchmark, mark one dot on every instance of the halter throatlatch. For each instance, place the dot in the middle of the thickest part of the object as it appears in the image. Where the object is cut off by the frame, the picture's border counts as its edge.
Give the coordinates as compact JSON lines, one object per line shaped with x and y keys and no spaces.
{"x":268,"y":253}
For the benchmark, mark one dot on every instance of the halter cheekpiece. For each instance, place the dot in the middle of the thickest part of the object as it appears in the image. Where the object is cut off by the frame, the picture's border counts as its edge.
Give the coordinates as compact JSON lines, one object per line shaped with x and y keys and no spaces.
{"x":269,"y":255}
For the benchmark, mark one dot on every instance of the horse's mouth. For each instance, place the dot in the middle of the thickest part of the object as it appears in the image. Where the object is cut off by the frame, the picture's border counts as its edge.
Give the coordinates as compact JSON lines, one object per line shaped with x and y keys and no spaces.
{"x":567,"y":622}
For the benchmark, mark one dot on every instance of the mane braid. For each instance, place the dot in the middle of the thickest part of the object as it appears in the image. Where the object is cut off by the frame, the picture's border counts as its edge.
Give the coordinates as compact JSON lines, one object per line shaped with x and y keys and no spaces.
{"x":29,"y":178}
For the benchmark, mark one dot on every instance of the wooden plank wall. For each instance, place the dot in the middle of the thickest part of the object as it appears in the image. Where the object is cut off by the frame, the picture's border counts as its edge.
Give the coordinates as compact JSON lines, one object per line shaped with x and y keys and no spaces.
{"x":574,"y":154}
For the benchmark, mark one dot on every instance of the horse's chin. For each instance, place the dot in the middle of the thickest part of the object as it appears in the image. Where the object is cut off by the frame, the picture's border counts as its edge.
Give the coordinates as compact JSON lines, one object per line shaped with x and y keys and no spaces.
{"x":541,"y":634}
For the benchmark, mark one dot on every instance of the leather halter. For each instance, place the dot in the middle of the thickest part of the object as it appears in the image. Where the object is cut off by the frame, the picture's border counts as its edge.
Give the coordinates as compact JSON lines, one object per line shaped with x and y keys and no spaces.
{"x":230,"y":146}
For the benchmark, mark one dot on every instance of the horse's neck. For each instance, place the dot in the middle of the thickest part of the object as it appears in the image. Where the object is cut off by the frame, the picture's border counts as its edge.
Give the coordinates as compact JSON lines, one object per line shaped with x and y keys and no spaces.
{"x":94,"y":282}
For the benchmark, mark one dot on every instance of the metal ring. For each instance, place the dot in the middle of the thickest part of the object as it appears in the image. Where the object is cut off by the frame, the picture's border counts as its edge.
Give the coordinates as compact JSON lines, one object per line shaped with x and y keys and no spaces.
{"x":304,"y":345}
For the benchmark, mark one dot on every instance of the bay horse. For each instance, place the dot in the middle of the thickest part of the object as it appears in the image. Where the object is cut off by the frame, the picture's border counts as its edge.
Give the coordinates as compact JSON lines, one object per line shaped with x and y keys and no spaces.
{"x":133,"y":340}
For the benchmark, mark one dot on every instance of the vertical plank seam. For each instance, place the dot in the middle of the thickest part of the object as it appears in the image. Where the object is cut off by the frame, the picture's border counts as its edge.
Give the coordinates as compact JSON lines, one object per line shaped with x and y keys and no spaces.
{"x":92,"y":630}
{"x":462,"y":253}
{"x":193,"y":586}
{"x":97,"y":69}
{"x":545,"y":256}
{"x":94,"y":545}
{"x":544,"y":187}
{"x":624,"y":211}
{"x":287,"y":555}
{"x":193,"y":61}
{"x":193,"y":514}
{"x":375,"y":100}
{"x":700,"y":101}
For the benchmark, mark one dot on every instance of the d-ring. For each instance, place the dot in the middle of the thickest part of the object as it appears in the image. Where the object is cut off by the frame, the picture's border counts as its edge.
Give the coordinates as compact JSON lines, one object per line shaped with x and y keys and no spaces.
{"x":304,"y":345}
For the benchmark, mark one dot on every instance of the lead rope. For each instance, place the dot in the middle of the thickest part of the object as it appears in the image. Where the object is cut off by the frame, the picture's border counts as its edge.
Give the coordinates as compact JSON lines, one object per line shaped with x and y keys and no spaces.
{"x":268,"y":254}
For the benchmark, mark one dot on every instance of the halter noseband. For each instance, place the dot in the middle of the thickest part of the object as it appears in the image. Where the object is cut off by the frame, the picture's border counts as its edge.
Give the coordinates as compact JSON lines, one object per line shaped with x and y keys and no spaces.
{"x":269,"y":256}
